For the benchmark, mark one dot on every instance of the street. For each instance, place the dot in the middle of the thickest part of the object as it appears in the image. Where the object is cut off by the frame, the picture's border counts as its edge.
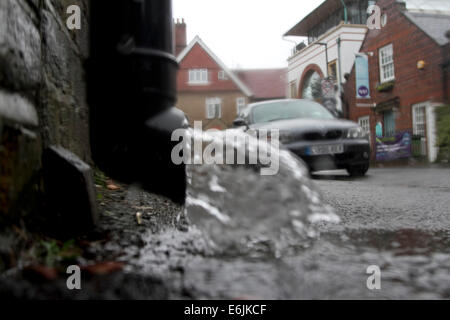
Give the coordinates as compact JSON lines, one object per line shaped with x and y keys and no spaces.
{"x":391,"y":199}
{"x":397,"y":219}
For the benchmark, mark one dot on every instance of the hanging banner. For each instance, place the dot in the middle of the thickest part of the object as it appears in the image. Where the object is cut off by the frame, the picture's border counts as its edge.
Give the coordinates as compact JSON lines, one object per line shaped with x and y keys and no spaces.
{"x":362,"y":76}
{"x":393,"y":148}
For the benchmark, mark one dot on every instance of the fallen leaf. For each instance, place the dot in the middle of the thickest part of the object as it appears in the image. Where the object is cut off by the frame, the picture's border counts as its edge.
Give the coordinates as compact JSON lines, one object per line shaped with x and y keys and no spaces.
{"x":110,"y":185}
{"x":103,"y":268}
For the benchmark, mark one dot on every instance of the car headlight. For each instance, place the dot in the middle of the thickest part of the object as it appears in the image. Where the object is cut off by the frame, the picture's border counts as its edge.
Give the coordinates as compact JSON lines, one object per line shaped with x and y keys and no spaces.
{"x":356,"y":133}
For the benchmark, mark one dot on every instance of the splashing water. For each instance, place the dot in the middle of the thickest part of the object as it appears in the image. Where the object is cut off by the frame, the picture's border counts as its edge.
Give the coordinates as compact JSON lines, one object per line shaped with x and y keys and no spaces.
{"x":241,"y":211}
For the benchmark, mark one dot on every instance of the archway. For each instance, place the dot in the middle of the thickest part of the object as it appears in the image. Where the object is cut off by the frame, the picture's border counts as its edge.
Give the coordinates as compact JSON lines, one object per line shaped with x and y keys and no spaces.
{"x":310,"y":83}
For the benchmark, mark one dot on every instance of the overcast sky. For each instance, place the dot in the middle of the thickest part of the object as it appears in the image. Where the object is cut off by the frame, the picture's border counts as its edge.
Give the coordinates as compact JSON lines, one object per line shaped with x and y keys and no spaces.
{"x":248,"y":33}
{"x":244,"y":33}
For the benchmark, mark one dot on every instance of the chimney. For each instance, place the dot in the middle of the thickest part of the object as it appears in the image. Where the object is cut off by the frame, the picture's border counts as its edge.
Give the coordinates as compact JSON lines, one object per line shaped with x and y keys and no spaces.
{"x":180,"y":36}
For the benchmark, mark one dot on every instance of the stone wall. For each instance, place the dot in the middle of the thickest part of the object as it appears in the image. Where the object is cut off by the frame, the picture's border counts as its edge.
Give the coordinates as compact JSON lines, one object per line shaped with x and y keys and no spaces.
{"x":42,"y":95}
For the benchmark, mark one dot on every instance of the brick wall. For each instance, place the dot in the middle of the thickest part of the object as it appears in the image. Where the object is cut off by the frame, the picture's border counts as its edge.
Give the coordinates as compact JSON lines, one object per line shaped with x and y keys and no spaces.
{"x":447,"y":73}
{"x":194,"y":105}
{"x":411,"y":84}
{"x":42,"y":93}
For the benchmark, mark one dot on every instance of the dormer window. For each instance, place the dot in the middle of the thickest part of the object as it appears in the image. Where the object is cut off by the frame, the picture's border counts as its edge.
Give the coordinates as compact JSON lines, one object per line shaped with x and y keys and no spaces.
{"x":198,"y":76}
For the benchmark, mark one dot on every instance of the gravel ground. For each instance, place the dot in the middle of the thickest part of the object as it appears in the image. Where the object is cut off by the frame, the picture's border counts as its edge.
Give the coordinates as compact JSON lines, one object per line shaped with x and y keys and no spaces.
{"x":119,"y":240}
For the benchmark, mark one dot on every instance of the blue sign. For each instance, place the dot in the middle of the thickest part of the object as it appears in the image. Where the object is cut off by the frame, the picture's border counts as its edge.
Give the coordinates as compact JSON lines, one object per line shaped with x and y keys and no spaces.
{"x":363,"y":91}
{"x":362,"y":77}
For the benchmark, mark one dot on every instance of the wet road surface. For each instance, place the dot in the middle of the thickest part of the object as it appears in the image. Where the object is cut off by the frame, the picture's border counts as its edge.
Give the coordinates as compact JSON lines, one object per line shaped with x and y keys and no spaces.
{"x":396,"y":219}
{"x":391,"y":199}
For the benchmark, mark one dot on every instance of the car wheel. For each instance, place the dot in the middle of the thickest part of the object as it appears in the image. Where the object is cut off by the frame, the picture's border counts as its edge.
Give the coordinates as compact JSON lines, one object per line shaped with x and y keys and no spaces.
{"x":358,"y":171}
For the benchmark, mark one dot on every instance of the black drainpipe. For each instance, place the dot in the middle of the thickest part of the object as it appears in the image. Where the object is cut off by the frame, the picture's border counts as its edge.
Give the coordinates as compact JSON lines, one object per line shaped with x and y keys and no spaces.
{"x":131,"y":75}
{"x":445,"y":72}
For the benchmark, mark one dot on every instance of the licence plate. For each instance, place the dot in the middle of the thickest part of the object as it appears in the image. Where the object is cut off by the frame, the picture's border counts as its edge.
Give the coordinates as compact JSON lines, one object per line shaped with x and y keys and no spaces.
{"x":326,"y":149}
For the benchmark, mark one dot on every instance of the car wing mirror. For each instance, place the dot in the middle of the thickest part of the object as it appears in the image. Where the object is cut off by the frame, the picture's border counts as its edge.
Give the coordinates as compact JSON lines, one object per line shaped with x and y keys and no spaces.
{"x":239,"y":122}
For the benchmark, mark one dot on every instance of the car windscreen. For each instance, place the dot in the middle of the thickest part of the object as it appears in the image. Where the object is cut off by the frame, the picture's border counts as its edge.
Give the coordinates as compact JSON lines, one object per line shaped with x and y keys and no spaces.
{"x":283,"y":110}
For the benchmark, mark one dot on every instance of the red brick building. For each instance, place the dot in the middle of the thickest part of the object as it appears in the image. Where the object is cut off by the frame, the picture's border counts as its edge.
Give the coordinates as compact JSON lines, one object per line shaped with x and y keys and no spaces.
{"x":207,"y":90}
{"x":210,"y":92}
{"x":407,"y":75}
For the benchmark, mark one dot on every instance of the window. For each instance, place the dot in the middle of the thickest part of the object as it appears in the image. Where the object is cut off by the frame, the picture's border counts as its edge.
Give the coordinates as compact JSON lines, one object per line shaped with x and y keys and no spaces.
{"x":357,"y":14}
{"x":198,"y":76}
{"x":213,"y":108}
{"x":419,"y":120}
{"x":240,"y":105}
{"x":222,"y":75}
{"x":419,"y":129}
{"x":364,"y":122}
{"x":332,"y":69}
{"x":389,"y":123}
{"x":289,"y":109}
{"x":386,"y":57}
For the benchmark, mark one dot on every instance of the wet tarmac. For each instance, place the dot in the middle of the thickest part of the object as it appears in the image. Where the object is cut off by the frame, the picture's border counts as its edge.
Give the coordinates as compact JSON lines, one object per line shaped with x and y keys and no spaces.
{"x":396,"y":219}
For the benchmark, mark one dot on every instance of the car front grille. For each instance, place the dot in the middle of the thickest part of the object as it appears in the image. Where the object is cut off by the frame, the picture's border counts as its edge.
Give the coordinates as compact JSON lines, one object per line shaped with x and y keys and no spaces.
{"x":325,"y":135}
